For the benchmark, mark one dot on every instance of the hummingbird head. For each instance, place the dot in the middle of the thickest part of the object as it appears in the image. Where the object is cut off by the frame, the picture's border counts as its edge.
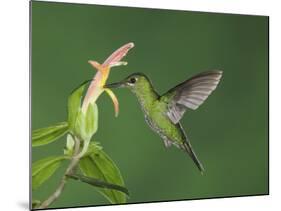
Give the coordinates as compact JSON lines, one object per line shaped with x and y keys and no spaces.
{"x":134,"y":82}
{"x":140,"y":85}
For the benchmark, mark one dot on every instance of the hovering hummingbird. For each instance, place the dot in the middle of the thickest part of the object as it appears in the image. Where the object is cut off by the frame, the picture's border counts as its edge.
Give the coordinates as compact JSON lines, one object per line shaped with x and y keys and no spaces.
{"x":163,"y":112}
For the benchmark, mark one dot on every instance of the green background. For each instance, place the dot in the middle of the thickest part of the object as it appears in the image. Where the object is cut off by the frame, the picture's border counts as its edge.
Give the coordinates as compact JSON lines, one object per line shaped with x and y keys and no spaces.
{"x":229,"y":132}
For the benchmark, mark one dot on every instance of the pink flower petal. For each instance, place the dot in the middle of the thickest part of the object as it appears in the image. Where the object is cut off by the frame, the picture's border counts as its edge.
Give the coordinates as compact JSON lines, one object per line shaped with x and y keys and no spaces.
{"x":93,"y":91}
{"x":96,"y":87}
{"x":95,"y":64}
{"x":117,"y":55}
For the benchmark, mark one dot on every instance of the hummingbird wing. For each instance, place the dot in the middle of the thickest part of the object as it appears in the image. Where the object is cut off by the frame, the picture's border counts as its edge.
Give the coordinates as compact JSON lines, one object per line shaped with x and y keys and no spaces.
{"x":190,"y":93}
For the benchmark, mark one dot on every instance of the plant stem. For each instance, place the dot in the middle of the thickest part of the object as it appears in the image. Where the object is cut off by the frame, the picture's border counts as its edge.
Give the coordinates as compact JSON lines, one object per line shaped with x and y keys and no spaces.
{"x":71,"y":167}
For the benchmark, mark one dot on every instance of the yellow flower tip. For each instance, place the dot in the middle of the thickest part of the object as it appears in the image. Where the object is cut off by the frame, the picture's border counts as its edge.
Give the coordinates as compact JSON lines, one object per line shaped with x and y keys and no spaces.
{"x":114,"y":100}
{"x":116,"y":114}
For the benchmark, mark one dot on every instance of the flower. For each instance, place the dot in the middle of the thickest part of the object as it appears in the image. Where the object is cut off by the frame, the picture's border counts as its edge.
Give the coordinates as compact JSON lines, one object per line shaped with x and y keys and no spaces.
{"x":96,"y":87}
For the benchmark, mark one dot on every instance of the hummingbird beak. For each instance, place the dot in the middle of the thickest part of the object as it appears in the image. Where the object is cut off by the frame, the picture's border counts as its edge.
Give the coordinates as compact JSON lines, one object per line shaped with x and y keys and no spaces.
{"x":115,"y":85}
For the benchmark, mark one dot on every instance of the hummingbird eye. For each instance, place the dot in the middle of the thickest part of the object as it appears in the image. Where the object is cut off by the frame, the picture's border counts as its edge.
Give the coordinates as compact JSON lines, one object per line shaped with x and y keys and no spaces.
{"x":133,"y":80}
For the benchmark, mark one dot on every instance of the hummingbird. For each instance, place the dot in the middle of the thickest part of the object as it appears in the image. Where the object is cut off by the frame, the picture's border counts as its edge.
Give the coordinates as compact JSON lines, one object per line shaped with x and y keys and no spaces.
{"x":164,"y":112}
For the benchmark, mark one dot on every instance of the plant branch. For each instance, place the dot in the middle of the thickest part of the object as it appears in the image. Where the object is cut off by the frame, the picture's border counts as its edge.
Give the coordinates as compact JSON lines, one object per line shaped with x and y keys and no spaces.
{"x":70,"y":169}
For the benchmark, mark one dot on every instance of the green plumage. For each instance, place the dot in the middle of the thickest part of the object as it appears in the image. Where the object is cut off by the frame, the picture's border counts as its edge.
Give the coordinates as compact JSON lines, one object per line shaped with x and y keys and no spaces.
{"x":162,"y":113}
{"x":154,"y":109}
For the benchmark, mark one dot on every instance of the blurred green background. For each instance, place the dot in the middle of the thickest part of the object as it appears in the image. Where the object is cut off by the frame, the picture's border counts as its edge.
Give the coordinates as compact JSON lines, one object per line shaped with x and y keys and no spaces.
{"x":229,"y":132}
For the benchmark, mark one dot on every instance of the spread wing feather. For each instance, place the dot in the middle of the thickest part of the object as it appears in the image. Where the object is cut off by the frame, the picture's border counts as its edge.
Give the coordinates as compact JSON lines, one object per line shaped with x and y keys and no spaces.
{"x":191,"y":93}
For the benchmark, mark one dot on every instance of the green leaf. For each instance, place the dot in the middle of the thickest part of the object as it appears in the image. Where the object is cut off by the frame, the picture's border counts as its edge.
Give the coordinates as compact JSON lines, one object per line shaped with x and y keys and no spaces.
{"x":98,"y":183}
{"x":97,"y":164}
{"x":74,"y":105}
{"x":47,"y":135}
{"x":44,"y":169}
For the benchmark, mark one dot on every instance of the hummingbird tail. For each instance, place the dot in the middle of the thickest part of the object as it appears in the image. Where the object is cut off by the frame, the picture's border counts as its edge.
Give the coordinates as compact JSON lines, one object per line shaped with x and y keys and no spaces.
{"x":187,"y":147}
